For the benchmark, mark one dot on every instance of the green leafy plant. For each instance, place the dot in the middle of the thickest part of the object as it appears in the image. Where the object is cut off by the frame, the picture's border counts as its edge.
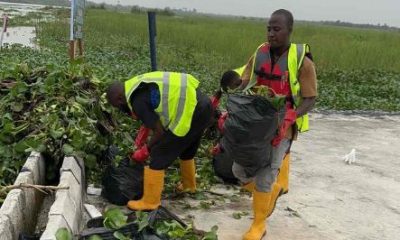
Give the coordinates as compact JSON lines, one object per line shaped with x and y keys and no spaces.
{"x":172,"y":229}
{"x":95,"y":237}
{"x":211,"y":235}
{"x":114,"y":219}
{"x":63,"y":234}
{"x":239,"y":215}
{"x":120,"y":236}
{"x":142,"y":220}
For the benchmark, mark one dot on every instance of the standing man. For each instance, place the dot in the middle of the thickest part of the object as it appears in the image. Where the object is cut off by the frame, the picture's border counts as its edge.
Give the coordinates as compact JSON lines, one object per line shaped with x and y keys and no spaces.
{"x":286,"y":69}
{"x":172,"y":106}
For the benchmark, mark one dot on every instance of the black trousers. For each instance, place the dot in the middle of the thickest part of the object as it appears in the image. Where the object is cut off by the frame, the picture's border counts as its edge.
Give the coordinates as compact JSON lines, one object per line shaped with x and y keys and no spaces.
{"x":170,"y":146}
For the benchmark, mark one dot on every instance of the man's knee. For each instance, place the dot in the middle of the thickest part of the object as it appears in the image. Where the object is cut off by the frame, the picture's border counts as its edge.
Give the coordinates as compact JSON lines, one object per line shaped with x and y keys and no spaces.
{"x":265,"y":179}
{"x":278,"y":153}
{"x":239,"y":173}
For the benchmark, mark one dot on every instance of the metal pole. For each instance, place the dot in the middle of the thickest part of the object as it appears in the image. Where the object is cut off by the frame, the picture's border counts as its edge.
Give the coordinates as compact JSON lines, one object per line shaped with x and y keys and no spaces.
{"x":71,"y":26}
{"x":71,"y":31}
{"x":152,"y":39}
{"x":3,"y":30}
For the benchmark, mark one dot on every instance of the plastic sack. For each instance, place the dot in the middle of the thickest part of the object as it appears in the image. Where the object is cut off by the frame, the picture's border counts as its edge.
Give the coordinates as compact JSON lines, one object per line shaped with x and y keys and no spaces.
{"x":123,"y":183}
{"x":248,"y":131}
{"x":222,"y":165}
{"x":24,"y":236}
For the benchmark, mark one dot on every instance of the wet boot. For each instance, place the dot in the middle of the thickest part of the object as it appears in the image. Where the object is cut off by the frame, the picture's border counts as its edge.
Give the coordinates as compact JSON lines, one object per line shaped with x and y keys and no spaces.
{"x":249,"y":187}
{"x":260,"y":208}
{"x":283,"y":176}
{"x":277,"y":191}
{"x":153,"y":185}
{"x":188,"y":176}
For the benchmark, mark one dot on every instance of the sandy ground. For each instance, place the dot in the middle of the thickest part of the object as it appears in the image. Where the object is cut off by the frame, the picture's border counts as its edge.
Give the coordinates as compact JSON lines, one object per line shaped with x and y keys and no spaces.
{"x":328,"y":199}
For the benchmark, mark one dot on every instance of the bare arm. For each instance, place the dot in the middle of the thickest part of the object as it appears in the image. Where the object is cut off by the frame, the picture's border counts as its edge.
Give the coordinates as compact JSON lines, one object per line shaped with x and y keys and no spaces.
{"x":306,"y":105}
{"x":308,"y":86}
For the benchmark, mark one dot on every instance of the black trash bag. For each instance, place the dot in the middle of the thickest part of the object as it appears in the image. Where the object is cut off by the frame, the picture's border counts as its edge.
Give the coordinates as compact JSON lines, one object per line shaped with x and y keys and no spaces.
{"x":251,"y":125}
{"x":131,"y":229}
{"x":123,"y":183}
{"x":163,"y":214}
{"x":222,"y":165}
{"x":160,"y":214}
{"x":23,"y":236}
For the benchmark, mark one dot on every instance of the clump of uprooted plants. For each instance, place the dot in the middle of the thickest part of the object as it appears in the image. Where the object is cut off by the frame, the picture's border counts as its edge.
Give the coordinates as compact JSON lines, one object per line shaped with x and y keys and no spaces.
{"x":60,"y":109}
{"x":56,"y":110}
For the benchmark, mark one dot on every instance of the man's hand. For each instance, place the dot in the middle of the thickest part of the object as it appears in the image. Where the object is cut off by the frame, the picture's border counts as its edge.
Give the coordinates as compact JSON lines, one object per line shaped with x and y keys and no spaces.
{"x":214,"y":102}
{"x":281,"y":133}
{"x":305,"y":106}
{"x":141,"y":154}
{"x":288,"y":121}
{"x":141,"y":137}
{"x":216,"y":149}
{"x":290,"y":116}
{"x":221,"y":121}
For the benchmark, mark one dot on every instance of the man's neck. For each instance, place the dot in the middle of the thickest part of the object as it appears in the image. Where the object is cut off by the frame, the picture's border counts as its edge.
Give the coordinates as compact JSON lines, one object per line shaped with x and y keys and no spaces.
{"x":277,"y":52}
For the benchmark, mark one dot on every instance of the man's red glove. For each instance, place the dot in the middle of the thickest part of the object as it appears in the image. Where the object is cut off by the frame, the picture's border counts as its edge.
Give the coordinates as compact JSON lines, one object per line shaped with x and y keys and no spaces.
{"x":281,"y":133}
{"x":290,"y":116}
{"x":216,"y":149}
{"x":214,"y":102}
{"x":141,"y":154}
{"x":288,"y":121}
{"x":141,"y":137}
{"x":221,"y":121}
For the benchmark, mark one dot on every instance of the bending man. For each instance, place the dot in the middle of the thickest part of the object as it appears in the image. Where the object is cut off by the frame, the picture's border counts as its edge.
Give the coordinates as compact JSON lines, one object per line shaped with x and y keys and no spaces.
{"x":172,"y":106}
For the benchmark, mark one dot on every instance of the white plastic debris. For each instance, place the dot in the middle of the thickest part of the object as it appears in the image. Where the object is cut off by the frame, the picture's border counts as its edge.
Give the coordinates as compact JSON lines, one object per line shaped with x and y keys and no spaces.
{"x":91,"y":190}
{"x":351,"y":157}
{"x":92,"y":211}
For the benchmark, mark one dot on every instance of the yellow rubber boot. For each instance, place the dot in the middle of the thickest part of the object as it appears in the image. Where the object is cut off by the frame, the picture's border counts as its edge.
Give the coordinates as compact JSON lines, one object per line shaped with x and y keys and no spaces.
{"x":260,"y":207}
{"x":275,"y":193}
{"x":249,"y":186}
{"x":153,"y":185}
{"x":188,"y":176}
{"x":283,"y":176}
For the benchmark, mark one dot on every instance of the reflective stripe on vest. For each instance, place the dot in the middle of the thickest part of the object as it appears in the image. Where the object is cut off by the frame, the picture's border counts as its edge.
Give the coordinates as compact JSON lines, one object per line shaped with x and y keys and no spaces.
{"x":295,"y":58}
{"x":178,"y":98}
{"x":240,"y":70}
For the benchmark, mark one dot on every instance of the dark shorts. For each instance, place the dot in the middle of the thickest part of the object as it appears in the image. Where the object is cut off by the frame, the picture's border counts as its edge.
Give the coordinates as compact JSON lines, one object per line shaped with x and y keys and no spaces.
{"x":171,"y":147}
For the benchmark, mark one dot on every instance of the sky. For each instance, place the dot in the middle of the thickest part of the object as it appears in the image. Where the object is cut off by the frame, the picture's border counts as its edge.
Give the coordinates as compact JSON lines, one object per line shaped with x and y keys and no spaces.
{"x":355,"y":11}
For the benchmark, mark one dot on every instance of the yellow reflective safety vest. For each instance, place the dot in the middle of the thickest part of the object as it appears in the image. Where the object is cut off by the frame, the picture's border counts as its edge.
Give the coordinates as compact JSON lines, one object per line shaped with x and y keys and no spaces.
{"x":289,"y":63}
{"x":178,"y":98}
{"x":240,"y":70}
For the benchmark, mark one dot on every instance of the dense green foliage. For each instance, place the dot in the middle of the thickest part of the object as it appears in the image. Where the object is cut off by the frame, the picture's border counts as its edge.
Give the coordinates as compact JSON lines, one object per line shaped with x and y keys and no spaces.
{"x":355,"y":68}
{"x":235,"y":39}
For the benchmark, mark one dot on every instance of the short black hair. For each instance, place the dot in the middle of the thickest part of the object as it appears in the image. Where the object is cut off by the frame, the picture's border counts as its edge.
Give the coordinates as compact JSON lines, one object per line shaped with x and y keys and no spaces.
{"x":227,"y":79}
{"x":113,"y":89}
{"x":288,"y":16}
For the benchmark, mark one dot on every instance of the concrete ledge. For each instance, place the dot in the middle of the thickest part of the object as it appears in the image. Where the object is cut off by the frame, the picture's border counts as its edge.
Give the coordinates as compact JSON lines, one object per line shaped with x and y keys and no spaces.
{"x":67,"y":209}
{"x":55,"y":222}
{"x":6,"y":228}
{"x":13,"y":208}
{"x":19,"y":210}
{"x":36,"y":165}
